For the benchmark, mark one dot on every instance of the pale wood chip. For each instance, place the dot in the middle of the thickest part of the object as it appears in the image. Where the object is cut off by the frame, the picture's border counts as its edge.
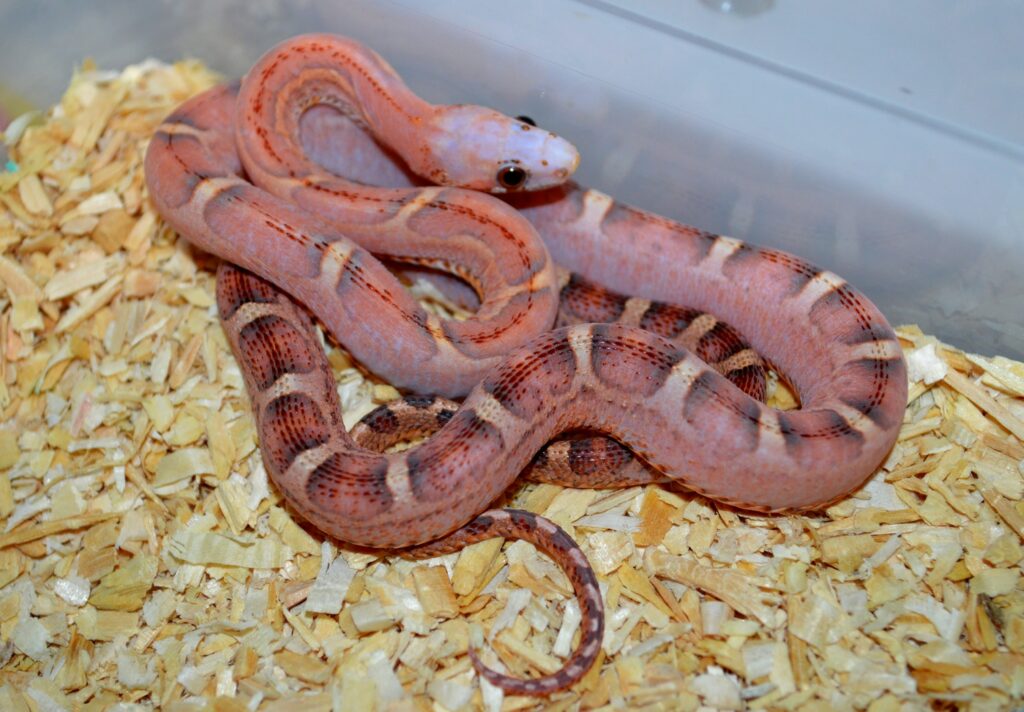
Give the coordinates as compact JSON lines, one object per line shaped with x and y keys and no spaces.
{"x":14,"y":278}
{"x":106,"y":625}
{"x":475,"y":566}
{"x":1001,"y":373}
{"x":294,"y":536}
{"x":983,"y":400}
{"x":370,"y":617}
{"x":209,"y":548}
{"x":30,"y":189}
{"x":434,"y":589}
{"x":657,"y":517}
{"x":126,"y":588}
{"x":89,"y":274}
{"x":39,"y":531}
{"x":182,"y":464}
{"x":304,"y":667}
{"x":90,"y":304}
{"x":742,"y":592}
{"x":514,"y":649}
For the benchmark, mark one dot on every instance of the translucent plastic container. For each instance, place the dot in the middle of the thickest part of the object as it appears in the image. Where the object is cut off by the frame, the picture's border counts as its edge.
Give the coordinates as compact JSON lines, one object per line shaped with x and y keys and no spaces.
{"x":881,"y":140}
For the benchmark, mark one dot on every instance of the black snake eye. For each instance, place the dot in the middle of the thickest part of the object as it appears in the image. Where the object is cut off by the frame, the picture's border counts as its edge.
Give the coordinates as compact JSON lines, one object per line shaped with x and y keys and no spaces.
{"x":511,"y":177}
{"x":526,"y":120}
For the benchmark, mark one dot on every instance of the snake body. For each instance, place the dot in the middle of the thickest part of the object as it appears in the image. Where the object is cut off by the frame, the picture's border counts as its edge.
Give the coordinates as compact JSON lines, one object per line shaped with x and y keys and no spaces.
{"x":298,"y":415}
{"x":310,"y":232}
{"x":526,"y":385}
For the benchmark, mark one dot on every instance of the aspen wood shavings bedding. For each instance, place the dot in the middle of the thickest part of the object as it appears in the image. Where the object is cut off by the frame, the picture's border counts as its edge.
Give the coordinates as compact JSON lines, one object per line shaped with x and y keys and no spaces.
{"x":146,"y":559}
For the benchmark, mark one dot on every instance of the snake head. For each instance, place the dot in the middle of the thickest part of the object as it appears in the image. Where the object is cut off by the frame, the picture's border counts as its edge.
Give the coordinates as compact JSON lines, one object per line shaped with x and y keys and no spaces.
{"x":481,"y":149}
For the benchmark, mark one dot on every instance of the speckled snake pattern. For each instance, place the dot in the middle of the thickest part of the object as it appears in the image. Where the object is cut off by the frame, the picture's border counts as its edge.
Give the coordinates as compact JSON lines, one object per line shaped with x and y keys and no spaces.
{"x":298,"y":414}
{"x":247,"y":174}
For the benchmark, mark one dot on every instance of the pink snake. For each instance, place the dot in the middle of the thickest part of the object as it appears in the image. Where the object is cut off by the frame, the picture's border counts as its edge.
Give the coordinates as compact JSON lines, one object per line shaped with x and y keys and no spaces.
{"x":255,"y":178}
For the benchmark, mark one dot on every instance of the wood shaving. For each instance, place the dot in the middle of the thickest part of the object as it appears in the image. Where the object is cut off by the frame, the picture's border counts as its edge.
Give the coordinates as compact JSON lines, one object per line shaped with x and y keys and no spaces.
{"x":146,"y":562}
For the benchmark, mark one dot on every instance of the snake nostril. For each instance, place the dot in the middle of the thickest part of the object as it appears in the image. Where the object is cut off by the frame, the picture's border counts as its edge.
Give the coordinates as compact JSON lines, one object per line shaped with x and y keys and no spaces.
{"x":526,"y":120}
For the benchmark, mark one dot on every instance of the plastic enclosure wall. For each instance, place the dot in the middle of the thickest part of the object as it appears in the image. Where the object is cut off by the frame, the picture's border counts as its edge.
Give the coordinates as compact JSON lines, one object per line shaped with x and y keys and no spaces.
{"x":880,"y":140}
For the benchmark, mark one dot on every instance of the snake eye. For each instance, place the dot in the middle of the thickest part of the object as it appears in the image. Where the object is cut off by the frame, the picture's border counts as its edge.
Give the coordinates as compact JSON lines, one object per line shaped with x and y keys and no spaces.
{"x":511,"y":177}
{"x":526,"y":120}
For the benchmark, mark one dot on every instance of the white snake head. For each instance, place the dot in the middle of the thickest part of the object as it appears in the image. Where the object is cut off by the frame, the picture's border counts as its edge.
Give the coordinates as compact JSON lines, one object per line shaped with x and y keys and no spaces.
{"x":481,"y":149}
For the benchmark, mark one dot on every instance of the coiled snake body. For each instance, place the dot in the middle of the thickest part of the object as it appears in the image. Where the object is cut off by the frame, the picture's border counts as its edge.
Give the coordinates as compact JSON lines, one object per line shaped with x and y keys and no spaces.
{"x":311,"y":233}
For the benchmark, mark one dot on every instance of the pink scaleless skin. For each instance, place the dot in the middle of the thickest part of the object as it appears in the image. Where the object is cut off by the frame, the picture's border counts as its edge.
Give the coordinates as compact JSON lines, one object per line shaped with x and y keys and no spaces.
{"x":683,"y":417}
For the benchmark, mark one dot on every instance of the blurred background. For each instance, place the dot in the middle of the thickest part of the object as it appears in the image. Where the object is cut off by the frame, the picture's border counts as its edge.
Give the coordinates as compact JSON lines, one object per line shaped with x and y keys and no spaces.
{"x":881,"y":140}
